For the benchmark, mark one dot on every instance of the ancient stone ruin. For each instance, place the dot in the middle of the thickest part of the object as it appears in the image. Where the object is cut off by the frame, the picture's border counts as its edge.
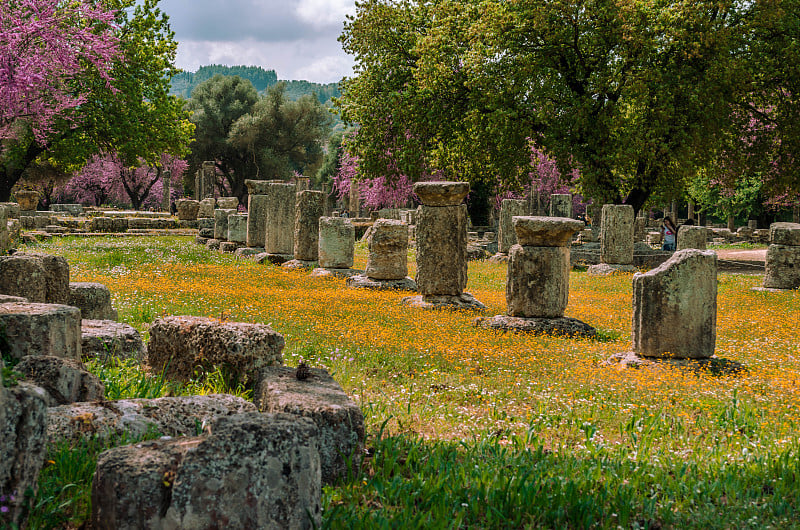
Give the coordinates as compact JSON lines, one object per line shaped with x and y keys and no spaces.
{"x":387,"y":262}
{"x":507,"y":237}
{"x":336,"y":250}
{"x":537,"y":284}
{"x":690,"y":236}
{"x":442,"y":247}
{"x":561,"y":205}
{"x":616,"y":240}
{"x":309,"y":207}
{"x":279,"y":217}
{"x":783,"y":257}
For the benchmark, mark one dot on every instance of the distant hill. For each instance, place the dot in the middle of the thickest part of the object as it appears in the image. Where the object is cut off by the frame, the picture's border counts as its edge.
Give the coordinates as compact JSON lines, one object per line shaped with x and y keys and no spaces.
{"x":183,"y":83}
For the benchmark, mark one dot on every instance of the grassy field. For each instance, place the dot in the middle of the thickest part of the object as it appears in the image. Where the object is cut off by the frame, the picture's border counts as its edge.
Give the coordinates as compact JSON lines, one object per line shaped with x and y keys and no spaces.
{"x":471,"y":428}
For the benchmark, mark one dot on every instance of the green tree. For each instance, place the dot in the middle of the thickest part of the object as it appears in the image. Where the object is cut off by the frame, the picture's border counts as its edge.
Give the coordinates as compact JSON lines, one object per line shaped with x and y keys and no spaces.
{"x":256,"y":138}
{"x":331,"y":161}
{"x":136,"y":117}
{"x":633,"y":93}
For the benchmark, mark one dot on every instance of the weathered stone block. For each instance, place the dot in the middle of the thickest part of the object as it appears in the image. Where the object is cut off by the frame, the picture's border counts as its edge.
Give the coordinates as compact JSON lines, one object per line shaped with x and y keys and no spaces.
{"x":388,"y":250}
{"x":309,"y":207}
{"x":181,"y":344}
{"x":221,"y":223}
{"x":538,"y":281}
{"x":106,"y":338}
{"x":337,"y":239}
{"x":64,"y":380}
{"x":509,"y":208}
{"x":692,"y":237}
{"x":171,"y":416}
{"x":41,"y":329}
{"x":787,"y":234}
{"x":441,"y":250}
{"x":206,"y":209}
{"x":256,"y":219}
{"x":187,"y":209}
{"x":28,"y":200}
{"x":279,"y":239}
{"x":252,"y":471}
{"x":782,"y":267}
{"x":616,"y":235}
{"x":237,"y":228}
{"x":228,"y":203}
{"x":545,"y":231}
{"x":675,"y":307}
{"x":93,"y":299}
{"x":441,"y":193}
{"x":561,"y":205}
{"x":36,"y":276}
{"x":320,"y":398}
{"x":12,"y":209}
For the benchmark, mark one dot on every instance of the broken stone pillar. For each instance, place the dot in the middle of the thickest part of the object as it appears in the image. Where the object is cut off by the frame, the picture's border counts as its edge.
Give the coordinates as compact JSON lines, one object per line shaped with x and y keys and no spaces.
{"x":166,"y":189}
{"x":783,"y":257}
{"x":561,"y":205}
{"x":355,"y":199}
{"x":209,"y":178}
{"x":5,"y":237}
{"x":690,"y":236}
{"x":206,"y":208}
{"x":752,"y":224}
{"x":537,"y":284}
{"x":675,"y":307}
{"x":279,"y":218}
{"x":228,"y":203}
{"x":387,"y":263}
{"x":639,"y":229}
{"x":616,"y":236}
{"x":508,"y":237}
{"x":237,"y":228}
{"x":256,"y":212}
{"x":309,"y":207}
{"x":187,"y":209}
{"x":303,"y":183}
{"x":221,"y":223}
{"x":28,"y":200}
{"x":336,"y":247}
{"x":442,"y":247}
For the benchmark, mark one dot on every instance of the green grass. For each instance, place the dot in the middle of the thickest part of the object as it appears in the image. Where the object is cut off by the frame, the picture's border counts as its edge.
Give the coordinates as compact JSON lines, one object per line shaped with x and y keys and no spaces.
{"x":475,"y":429}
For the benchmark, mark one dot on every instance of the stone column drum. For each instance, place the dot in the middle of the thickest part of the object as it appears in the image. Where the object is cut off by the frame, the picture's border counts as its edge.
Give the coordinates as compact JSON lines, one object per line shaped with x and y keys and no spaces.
{"x":675,"y":307}
{"x":691,"y":237}
{"x":561,"y":205}
{"x":336,"y":243}
{"x":187,"y":209}
{"x":442,"y":247}
{"x":387,"y":262}
{"x":616,"y":234}
{"x":256,"y":212}
{"x":221,"y":223}
{"x":28,"y":200}
{"x":538,"y":267}
{"x":309,"y":208}
{"x":507,"y":236}
{"x":783,"y":257}
{"x":279,"y":238}
{"x":206,"y":208}
{"x":237,"y":228}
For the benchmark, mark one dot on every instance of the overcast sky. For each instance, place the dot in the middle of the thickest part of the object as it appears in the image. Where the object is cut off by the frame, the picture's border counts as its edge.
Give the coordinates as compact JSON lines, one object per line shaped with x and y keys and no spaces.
{"x":296,"y":38}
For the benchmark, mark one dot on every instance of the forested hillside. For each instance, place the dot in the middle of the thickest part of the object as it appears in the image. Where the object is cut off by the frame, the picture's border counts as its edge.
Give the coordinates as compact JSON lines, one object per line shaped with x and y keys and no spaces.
{"x":183,"y":83}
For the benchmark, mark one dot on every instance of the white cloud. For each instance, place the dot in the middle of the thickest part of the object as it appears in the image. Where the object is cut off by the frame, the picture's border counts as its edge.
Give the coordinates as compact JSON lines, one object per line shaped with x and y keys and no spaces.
{"x":320,"y":13}
{"x":332,"y":67}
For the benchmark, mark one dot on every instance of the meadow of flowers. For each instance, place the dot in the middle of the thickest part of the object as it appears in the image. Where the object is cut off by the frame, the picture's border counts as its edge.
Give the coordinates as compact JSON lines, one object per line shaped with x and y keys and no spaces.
{"x":643,"y":447}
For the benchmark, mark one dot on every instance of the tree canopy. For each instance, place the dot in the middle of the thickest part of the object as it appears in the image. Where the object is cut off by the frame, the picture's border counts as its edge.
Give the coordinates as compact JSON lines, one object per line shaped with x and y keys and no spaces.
{"x":253,"y":137}
{"x":637,"y":95}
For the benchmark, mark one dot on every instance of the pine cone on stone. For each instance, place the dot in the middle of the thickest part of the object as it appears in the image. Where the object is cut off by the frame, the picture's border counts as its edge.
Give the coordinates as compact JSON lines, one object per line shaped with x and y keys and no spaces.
{"x":302,"y":372}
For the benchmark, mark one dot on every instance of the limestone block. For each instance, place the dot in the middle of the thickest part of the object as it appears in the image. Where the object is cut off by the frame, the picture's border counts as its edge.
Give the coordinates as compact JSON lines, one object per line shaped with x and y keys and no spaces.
{"x":41,"y":329}
{"x":93,"y":299}
{"x":782,"y":267}
{"x":70,"y":209}
{"x":441,"y":250}
{"x":309,"y":207}
{"x":228,"y":247}
{"x":320,"y":398}
{"x":23,"y":445}
{"x":182,"y":344}
{"x":105,"y":338}
{"x":56,"y":275}
{"x":640,"y":229}
{"x":538,"y":231}
{"x":251,"y":471}
{"x":281,"y":197}
{"x":5,"y":298}
{"x":388,"y":250}
{"x":508,"y":209}
{"x":616,"y":235}
{"x":187,"y":209}
{"x":441,"y":193}
{"x":538,"y":281}
{"x":256,"y":219}
{"x":787,"y":234}
{"x":337,"y":239}
{"x":206,"y":209}
{"x":64,"y":380}
{"x":170,"y":416}
{"x":692,"y":237}
{"x":362,"y":281}
{"x":228,"y":203}
{"x":237,"y":228}
{"x":675,"y":307}
{"x":561,"y":205}
{"x":257,"y":187}
{"x":248,"y":252}
{"x":221,"y":223}
{"x":12,"y":209}
{"x":28,"y":200}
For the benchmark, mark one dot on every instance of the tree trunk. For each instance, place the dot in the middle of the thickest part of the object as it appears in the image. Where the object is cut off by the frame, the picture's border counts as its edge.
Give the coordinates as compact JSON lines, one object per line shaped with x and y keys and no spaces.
{"x":12,"y":171}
